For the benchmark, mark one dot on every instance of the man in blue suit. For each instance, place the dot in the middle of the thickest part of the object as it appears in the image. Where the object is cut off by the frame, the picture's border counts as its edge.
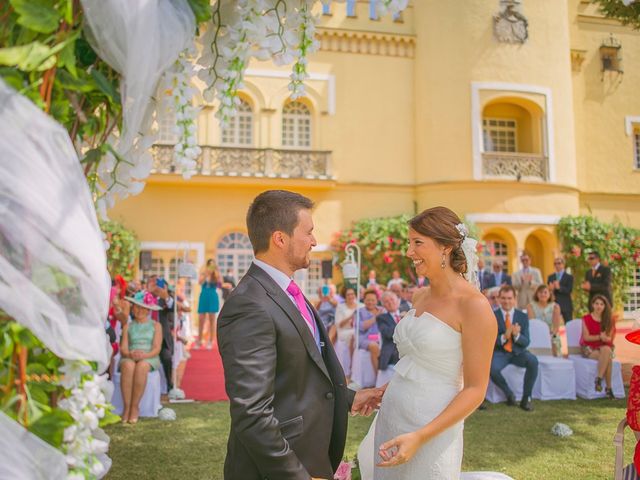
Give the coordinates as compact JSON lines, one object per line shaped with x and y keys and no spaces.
{"x":497,"y":278}
{"x":511,"y":347}
{"x":387,"y":325}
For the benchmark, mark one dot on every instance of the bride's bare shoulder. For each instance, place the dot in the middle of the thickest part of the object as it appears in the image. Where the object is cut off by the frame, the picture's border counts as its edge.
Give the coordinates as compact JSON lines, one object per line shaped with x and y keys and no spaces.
{"x":475,"y":308}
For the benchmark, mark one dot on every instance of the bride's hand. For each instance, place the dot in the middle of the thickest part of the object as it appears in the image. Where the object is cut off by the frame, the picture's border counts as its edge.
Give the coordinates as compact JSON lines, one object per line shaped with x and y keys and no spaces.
{"x":399,"y":450}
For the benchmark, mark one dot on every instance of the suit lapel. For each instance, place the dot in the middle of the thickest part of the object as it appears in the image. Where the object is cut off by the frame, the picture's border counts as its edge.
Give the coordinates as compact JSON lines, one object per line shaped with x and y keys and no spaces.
{"x":284,"y":302}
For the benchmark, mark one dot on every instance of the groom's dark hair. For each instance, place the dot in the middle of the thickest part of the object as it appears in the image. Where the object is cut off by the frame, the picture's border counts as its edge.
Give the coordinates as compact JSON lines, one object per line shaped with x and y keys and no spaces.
{"x":272,"y":211}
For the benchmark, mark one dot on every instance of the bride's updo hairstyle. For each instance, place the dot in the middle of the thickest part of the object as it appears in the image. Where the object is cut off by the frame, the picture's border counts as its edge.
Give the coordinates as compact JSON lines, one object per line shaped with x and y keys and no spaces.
{"x":440,"y":224}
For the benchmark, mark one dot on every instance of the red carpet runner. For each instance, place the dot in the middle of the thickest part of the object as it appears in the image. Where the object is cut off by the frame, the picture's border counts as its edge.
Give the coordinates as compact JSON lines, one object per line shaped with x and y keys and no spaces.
{"x":203,"y":378}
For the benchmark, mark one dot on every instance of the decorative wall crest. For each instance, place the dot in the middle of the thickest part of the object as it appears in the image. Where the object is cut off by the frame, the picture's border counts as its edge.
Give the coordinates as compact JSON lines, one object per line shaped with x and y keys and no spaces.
{"x":509,"y":25}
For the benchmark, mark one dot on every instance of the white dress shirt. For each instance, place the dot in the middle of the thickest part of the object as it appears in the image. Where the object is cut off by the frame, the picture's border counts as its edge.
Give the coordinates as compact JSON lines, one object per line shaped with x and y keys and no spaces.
{"x":283,"y":281}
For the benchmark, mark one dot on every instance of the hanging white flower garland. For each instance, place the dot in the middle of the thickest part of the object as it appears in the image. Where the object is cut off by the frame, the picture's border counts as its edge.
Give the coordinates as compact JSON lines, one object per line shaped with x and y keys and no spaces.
{"x":85,"y":444}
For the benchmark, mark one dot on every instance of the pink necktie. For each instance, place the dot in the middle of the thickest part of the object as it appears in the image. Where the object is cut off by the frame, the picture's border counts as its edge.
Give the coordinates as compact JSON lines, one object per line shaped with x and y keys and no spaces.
{"x":296,"y":293}
{"x":396,"y":317}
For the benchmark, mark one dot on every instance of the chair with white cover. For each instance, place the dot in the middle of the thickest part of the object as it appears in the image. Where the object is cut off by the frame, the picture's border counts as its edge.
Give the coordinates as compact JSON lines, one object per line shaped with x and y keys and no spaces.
{"x":587,"y":369}
{"x":556,"y":376}
{"x":515,"y":379}
{"x":362,"y":372}
{"x":150,"y":401}
{"x":343,"y":351}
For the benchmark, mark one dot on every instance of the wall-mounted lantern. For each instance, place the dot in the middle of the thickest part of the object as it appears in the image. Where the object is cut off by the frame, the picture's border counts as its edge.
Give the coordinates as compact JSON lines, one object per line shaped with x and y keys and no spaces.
{"x":610,"y":51}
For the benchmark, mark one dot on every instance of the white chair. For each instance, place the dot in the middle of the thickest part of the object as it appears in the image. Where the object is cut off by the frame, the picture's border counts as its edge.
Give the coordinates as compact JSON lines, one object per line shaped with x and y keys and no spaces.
{"x":344,"y":356}
{"x":150,"y":401}
{"x":384,"y":376}
{"x":362,"y":372}
{"x":556,"y":376}
{"x":587,"y":369}
{"x":515,"y":379}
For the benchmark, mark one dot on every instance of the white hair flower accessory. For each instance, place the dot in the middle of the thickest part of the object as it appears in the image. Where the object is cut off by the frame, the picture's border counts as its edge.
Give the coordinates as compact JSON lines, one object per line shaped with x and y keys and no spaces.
{"x":462,"y":229}
{"x":468,"y":246}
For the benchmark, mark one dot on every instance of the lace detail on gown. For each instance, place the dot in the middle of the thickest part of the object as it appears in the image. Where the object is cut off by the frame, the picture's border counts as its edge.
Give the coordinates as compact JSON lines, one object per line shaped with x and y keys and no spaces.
{"x":427,"y":377}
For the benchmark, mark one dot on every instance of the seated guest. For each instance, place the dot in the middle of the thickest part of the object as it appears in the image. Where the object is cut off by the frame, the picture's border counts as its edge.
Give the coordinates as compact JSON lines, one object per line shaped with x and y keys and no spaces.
{"x":398,"y":288}
{"x":407,"y":294}
{"x":345,"y":317}
{"x":511,"y":347}
{"x":561,"y":283}
{"x":598,"y":332}
{"x":387,"y":322}
{"x":483,"y":275}
{"x":326,"y":307}
{"x":544,"y":308}
{"x":368,"y":334}
{"x":139,"y":349}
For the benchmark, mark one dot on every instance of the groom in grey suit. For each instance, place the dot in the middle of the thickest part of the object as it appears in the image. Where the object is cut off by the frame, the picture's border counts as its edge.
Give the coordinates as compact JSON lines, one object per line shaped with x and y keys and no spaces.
{"x":288,"y":399}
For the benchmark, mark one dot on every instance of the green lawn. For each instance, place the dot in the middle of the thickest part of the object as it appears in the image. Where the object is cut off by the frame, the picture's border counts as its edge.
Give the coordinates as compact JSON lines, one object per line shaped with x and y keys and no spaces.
{"x":504,"y":439}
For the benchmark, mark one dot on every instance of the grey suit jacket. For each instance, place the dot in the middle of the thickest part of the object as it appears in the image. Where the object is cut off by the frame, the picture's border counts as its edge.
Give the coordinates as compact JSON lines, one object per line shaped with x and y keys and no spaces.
{"x":288,"y":400}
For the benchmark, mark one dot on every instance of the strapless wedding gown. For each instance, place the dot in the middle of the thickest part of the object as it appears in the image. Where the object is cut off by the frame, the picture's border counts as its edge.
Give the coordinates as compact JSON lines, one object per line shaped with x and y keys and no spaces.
{"x":427,"y":377}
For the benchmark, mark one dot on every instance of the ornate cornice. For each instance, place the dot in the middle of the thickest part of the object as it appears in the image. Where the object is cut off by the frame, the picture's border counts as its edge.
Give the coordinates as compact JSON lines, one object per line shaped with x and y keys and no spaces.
{"x":366,"y":43}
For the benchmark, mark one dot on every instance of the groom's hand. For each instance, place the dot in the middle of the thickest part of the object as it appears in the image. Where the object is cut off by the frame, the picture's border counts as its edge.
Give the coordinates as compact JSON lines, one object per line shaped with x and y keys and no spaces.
{"x":366,"y":401}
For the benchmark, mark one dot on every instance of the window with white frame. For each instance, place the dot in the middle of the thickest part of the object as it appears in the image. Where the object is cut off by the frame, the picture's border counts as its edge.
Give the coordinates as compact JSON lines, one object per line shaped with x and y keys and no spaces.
{"x":234,"y":253}
{"x":296,"y":125}
{"x":239,"y":132}
{"x":633,"y":300}
{"x":500,"y":134}
{"x":174,"y":265}
{"x":157,"y":268}
{"x":166,"y":119}
{"x":310,"y":280}
{"x":636,"y":148}
{"x":351,"y":8}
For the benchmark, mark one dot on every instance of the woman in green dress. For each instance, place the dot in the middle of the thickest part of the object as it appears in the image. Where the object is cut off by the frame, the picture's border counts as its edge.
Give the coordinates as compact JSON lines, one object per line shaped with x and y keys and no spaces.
{"x":139,"y":349}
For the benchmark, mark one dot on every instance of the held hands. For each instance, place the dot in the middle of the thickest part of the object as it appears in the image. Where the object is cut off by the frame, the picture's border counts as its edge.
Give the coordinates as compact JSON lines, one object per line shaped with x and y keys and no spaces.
{"x":366,"y":401}
{"x":137,"y":355}
{"x":399,"y":450}
{"x":586,"y":285}
{"x":516,"y":328}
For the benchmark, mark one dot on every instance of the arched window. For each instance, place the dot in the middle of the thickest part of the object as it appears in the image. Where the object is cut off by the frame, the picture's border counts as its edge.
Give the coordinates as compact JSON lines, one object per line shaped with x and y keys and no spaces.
{"x":234,"y":252}
{"x":296,"y":125}
{"x":239,"y":132}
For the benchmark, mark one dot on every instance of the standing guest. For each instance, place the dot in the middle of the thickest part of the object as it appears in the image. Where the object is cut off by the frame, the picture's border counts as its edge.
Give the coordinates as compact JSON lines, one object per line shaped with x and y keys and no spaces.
{"x":141,"y":343}
{"x":228,"y":284}
{"x":497,"y":277}
{"x":209,"y":302}
{"x":345,"y":318}
{"x":561,"y":283}
{"x":511,"y":348}
{"x":118,"y":314}
{"x":492,"y":295}
{"x":160,"y":290}
{"x":326,"y":307}
{"x":387,"y":322}
{"x":368,"y":334}
{"x":597,"y":281}
{"x":422,"y":281}
{"x":181,"y":354}
{"x":408,"y":293}
{"x":395,"y":279}
{"x":482,"y":274}
{"x":372,"y":281}
{"x":526,"y":281}
{"x":598,"y":332}
{"x":544,"y":308}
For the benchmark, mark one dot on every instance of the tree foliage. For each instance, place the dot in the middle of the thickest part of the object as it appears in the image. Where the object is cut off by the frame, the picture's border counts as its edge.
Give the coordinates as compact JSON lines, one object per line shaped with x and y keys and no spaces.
{"x":627,"y":14}
{"x":618,"y":246}
{"x":123,"y":249}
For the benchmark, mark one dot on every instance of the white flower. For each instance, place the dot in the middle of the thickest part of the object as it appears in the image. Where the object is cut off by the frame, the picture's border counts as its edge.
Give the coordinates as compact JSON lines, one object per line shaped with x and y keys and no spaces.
{"x":73,"y":371}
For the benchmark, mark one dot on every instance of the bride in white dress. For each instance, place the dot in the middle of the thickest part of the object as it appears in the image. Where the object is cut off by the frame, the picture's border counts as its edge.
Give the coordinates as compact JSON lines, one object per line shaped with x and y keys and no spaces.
{"x":445,"y":344}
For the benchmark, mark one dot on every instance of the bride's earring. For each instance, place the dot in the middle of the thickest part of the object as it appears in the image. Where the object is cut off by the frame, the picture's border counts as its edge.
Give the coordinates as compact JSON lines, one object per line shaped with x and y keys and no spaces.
{"x":444,"y":258}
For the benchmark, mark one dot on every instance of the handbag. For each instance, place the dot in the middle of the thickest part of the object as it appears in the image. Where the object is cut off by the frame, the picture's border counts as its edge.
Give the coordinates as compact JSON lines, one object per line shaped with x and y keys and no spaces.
{"x":623,"y":473}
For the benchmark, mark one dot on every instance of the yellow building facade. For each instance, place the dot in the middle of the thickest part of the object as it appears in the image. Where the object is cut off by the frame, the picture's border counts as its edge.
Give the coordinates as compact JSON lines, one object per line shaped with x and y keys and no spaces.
{"x":513,"y":115}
